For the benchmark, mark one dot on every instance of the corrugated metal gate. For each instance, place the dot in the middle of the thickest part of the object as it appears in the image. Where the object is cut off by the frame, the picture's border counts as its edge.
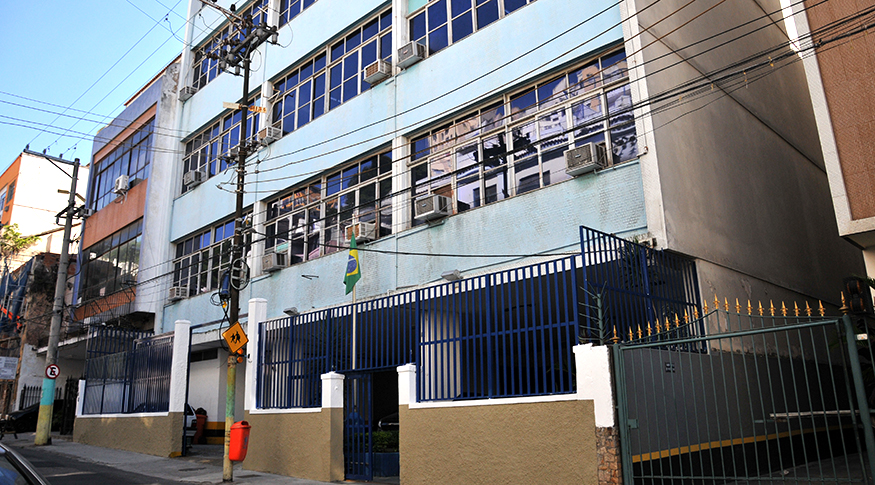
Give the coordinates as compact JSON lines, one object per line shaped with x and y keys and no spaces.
{"x":757,"y":398}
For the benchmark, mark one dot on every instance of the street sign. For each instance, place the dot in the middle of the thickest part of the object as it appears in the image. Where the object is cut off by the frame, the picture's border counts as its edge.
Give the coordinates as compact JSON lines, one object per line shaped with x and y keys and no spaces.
{"x":53,"y":371}
{"x":236,"y":337}
{"x":253,"y":109}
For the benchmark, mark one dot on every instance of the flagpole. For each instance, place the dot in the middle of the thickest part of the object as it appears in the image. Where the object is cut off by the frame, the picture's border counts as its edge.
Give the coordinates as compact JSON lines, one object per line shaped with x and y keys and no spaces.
{"x":353,"y":327}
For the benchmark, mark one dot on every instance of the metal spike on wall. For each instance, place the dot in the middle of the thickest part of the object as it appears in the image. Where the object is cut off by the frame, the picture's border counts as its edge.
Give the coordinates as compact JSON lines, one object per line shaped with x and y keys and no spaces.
{"x":749,"y":308}
{"x":761,"y":308}
{"x":821,"y":309}
{"x":640,"y":333}
{"x":737,"y":307}
{"x":783,"y":309}
{"x":649,"y":330}
{"x":771,"y":308}
{"x":795,"y":309}
{"x":807,"y":309}
{"x":726,"y":304}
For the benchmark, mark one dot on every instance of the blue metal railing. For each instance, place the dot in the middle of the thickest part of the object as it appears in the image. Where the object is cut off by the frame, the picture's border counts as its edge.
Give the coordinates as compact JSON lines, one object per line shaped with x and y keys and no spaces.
{"x":504,"y":334}
{"x":628,"y":288}
{"x":131,"y":381}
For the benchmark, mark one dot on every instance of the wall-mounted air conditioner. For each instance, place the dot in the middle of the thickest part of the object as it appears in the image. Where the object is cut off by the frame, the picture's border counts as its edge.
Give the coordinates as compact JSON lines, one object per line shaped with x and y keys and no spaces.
{"x":177,"y":293}
{"x":585,"y":159}
{"x":186,"y":93}
{"x":364,"y":231}
{"x":121,"y":185}
{"x":431,"y":207}
{"x":378,"y":71}
{"x":409,"y":54}
{"x":271,"y":262}
{"x":269,"y":135}
{"x":193,"y":178}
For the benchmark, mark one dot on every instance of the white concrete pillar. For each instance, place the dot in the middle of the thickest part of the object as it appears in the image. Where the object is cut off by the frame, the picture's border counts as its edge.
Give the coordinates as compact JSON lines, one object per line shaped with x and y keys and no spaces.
{"x":267,"y":103}
{"x":401,"y":201}
{"x":257,"y":315}
{"x":594,"y":381}
{"x":406,"y":384}
{"x":259,"y":217}
{"x":80,"y":398}
{"x":179,"y":365}
{"x":400,"y":29}
{"x":332,"y":390}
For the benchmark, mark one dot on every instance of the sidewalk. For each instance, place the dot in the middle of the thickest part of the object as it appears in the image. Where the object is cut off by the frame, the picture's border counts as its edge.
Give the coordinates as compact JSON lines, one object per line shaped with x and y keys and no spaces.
{"x":203,"y":466}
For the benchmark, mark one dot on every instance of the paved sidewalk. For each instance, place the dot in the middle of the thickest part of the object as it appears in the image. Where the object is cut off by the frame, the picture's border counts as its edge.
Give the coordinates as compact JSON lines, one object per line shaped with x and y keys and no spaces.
{"x":204,"y":466}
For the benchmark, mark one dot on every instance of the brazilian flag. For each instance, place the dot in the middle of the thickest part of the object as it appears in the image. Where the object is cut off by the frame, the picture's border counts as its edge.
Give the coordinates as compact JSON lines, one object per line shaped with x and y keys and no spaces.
{"x":353,"y":270}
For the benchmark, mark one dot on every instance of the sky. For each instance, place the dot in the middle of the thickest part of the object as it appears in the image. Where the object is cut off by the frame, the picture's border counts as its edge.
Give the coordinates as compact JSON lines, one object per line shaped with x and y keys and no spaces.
{"x":87,"y":58}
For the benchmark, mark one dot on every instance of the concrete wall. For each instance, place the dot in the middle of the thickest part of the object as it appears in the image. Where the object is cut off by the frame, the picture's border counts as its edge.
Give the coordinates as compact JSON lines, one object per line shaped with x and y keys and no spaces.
{"x":153,"y":434}
{"x":550,"y":442}
{"x":300,"y":444}
{"x":736,"y":177}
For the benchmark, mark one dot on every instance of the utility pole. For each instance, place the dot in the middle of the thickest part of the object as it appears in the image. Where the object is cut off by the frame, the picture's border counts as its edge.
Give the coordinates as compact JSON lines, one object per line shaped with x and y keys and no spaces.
{"x":239,"y":53}
{"x":47,"y":401}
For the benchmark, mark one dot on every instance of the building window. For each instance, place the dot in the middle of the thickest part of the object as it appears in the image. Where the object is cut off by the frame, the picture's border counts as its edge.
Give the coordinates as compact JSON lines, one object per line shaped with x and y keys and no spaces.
{"x":113,"y":263}
{"x":290,"y":9}
{"x":205,"y":69}
{"x":333,"y":76}
{"x":131,"y":158}
{"x":202,"y":258}
{"x":210,"y":151}
{"x":312,"y":220}
{"x":444,"y":22}
{"x":516,"y":144}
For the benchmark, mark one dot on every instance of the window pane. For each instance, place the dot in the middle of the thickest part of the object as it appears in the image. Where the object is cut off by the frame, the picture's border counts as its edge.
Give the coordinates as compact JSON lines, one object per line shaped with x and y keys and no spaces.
{"x":468,"y":194}
{"x":614,"y":67}
{"x":353,"y":41}
{"x":487,"y":13}
{"x":552,"y":129}
{"x":552,"y":92}
{"x":351,"y":65}
{"x":511,"y":5}
{"x":522,"y":104}
{"x":463,"y":26}
{"x":458,"y":7}
{"x":417,"y":26}
{"x":495,"y":186}
{"x":583,"y":80}
{"x":437,"y":14}
{"x":624,"y":143}
{"x":437,"y":40}
{"x":523,"y":137}
{"x":494,"y":151}
{"x":553,"y":166}
{"x":467,"y":156}
{"x":370,"y":29}
{"x":526,"y":175}
{"x":350,"y":89}
{"x":337,"y":51}
{"x":369,"y":54}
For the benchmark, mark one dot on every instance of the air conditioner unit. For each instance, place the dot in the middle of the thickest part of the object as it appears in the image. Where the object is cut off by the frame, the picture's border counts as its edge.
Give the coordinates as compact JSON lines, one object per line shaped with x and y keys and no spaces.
{"x":273,"y":262}
{"x":431,"y":207}
{"x":186,"y":93}
{"x":193,"y":178}
{"x":121,"y":185}
{"x":585,"y":159}
{"x":177,"y":293}
{"x":410,"y":54}
{"x":364,"y":231}
{"x":269,"y":135}
{"x":377,"y":71}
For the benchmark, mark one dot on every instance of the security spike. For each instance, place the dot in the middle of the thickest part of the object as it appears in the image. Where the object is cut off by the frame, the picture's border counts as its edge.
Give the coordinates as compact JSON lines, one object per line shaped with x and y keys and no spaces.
{"x":737,"y":306}
{"x":640,"y":333}
{"x":749,"y":308}
{"x":843,"y":298}
{"x":658,"y":327}
{"x":771,"y":308}
{"x":716,"y":302}
{"x":686,"y":316}
{"x":783,"y":309}
{"x":677,"y":321}
{"x":821,"y":309}
{"x":615,"y":339}
{"x":631,"y":337}
{"x":696,"y":312}
{"x":761,"y":308}
{"x":726,"y":304}
{"x":807,"y":309}
{"x":649,"y":330}
{"x":795,"y":309}
{"x":705,"y":308}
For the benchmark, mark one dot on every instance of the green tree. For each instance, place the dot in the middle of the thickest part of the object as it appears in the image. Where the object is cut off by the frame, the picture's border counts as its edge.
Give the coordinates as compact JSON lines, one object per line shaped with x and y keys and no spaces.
{"x":12,"y":242}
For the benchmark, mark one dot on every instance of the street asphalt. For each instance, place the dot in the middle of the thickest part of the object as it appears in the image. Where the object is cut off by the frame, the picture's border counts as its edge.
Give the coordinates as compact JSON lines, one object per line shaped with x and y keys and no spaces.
{"x":203,"y":466}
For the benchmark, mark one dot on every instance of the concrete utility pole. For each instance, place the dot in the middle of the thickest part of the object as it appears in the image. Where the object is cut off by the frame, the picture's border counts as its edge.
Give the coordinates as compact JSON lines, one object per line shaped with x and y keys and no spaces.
{"x":47,"y":401}
{"x":239,"y":53}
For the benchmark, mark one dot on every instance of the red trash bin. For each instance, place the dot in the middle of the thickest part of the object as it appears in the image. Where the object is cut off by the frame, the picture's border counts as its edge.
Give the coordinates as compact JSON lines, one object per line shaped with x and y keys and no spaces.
{"x":239,"y":441}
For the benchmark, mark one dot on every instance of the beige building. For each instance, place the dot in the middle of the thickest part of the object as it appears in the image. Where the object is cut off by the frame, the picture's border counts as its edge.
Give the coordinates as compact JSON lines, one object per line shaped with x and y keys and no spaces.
{"x":33,"y":190}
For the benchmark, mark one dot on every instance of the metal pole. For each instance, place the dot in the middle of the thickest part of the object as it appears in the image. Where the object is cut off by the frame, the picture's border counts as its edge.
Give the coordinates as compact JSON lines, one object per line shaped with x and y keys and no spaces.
{"x":862,"y":405}
{"x":236,"y":254}
{"x":47,"y":401}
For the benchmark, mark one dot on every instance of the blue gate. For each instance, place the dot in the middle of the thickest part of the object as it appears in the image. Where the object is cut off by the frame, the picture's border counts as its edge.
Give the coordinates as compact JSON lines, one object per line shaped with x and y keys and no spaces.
{"x":358,"y":410}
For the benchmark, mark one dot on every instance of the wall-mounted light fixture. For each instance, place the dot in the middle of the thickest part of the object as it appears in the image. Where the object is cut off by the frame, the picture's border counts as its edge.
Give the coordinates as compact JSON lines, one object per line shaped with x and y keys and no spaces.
{"x":454,"y":275}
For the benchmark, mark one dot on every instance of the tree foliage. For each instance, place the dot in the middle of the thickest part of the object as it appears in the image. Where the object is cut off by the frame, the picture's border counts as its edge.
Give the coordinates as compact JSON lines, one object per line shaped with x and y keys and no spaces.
{"x":12,"y":242}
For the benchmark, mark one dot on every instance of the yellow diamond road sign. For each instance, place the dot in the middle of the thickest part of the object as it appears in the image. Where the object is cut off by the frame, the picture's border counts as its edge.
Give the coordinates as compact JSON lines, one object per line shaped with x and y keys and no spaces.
{"x":235,"y":337}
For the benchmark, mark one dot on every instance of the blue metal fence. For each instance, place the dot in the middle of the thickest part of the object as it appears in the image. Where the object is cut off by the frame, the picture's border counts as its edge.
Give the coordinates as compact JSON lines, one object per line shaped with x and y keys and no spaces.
{"x":504,"y":334}
{"x":630,"y":290}
{"x":136,"y":380}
